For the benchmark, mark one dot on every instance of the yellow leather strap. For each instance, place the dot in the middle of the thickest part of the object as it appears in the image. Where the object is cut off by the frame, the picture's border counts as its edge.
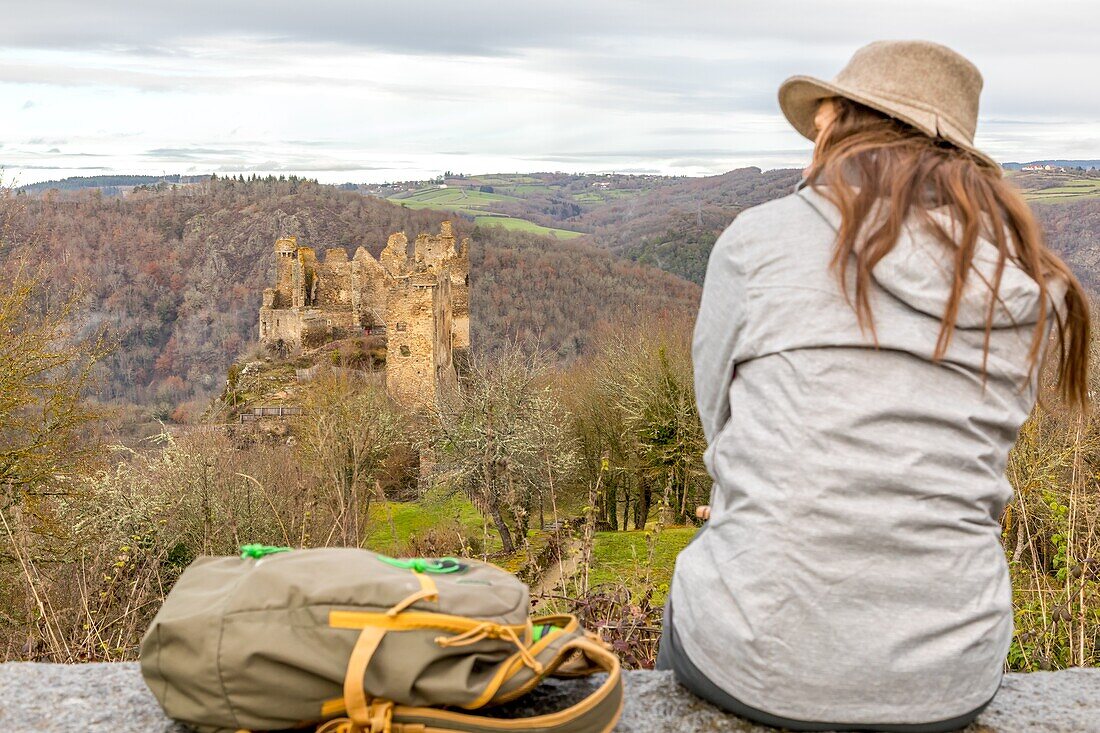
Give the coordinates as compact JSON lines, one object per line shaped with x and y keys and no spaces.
{"x":427,"y":584}
{"x":355,"y":697}
{"x":424,"y":594}
{"x":598,"y":713}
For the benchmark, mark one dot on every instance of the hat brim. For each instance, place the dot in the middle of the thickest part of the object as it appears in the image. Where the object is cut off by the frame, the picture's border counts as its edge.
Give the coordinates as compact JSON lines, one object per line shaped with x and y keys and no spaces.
{"x":800,"y":95}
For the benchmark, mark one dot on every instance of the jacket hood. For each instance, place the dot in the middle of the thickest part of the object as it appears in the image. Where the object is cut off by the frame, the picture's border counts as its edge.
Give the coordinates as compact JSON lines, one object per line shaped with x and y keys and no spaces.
{"x":917,"y":271}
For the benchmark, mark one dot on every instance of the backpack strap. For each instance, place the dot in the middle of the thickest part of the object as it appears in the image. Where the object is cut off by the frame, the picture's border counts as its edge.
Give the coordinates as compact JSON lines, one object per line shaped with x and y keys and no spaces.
{"x":597,"y":713}
{"x":355,"y":697}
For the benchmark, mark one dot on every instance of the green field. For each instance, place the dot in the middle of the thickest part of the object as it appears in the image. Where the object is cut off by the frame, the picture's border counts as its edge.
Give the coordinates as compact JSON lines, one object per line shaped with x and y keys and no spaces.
{"x":524,"y":226}
{"x":1069,"y":190}
{"x":451,"y":198}
{"x":394,"y":523}
{"x":473,"y":203}
{"x":618,"y":558}
{"x":623,"y":557}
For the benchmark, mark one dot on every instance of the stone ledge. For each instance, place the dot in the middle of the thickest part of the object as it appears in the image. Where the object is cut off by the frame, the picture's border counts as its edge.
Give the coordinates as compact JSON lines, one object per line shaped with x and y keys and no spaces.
{"x":112,"y":698}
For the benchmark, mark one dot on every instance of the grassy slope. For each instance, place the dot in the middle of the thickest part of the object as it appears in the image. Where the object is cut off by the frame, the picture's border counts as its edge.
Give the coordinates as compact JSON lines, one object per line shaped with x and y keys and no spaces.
{"x":617,"y":557}
{"x":473,"y":203}
{"x":394,"y":524}
{"x":523,"y":225}
{"x":1055,"y":187}
{"x":1071,"y":190}
{"x":623,"y":557}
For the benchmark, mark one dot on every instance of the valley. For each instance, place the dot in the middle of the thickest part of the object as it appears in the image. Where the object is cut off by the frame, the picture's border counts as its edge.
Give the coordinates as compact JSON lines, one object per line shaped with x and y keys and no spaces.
{"x":570,"y":454}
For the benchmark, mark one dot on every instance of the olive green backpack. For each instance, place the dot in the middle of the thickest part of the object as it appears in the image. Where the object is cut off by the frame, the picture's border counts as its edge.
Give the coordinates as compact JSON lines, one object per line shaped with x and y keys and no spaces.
{"x":349,"y":641}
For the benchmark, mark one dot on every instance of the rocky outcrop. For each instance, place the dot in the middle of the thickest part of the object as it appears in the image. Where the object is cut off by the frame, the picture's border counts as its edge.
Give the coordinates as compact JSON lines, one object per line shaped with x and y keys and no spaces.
{"x":112,"y":698}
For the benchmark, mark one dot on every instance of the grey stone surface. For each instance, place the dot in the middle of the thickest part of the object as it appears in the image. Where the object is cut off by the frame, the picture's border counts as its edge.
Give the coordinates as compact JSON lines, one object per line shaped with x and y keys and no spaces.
{"x":112,"y":698}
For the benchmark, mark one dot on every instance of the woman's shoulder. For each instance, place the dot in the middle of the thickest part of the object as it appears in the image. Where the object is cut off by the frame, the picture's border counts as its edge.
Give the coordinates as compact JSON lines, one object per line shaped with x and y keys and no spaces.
{"x":796,"y":203}
{"x":795,"y":215}
{"x":791,"y":211}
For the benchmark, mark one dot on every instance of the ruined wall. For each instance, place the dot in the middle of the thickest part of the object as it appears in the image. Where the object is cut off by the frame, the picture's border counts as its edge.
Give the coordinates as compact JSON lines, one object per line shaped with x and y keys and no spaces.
{"x":334,"y":282}
{"x":460,"y":296}
{"x":368,"y":292}
{"x":303,"y":278}
{"x":334,"y":293}
{"x":443,"y":335}
{"x":291,"y":329}
{"x":281,"y":327}
{"x":395,"y":256}
{"x":432,"y":250}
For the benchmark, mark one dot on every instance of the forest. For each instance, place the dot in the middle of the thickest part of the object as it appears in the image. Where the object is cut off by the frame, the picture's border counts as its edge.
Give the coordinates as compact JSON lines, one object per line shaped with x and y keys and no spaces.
{"x":174,"y":274}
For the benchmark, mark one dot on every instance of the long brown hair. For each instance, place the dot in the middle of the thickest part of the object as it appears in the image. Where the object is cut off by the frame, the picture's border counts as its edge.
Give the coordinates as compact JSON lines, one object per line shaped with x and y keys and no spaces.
{"x":867,"y":163}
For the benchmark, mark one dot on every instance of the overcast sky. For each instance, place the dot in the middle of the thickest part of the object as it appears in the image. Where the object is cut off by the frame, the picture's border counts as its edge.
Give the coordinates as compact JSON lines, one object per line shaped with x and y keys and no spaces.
{"x":364,"y":90}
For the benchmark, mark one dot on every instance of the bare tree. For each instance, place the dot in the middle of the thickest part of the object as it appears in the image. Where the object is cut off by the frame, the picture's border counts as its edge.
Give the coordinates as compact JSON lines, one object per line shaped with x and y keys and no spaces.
{"x":499,"y":438}
{"x":344,"y":436}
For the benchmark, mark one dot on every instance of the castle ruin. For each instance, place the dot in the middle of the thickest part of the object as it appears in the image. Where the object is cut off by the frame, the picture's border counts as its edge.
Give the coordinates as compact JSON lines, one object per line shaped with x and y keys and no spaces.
{"x":417,"y":302}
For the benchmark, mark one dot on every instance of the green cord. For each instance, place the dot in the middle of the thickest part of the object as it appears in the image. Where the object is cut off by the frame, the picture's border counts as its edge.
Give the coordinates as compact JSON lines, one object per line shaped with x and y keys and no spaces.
{"x":258,"y":551}
{"x":421,"y":565}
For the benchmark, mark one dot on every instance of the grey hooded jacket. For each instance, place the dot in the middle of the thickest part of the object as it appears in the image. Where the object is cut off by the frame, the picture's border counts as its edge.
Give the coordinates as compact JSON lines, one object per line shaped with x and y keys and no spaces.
{"x":851,"y":570}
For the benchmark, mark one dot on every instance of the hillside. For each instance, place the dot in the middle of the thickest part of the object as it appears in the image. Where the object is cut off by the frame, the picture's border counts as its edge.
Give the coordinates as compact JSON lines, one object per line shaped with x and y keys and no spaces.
{"x":552,"y":294}
{"x":177,"y":275}
{"x":668,"y":222}
{"x":1083,"y":164}
{"x":1073,"y":230}
{"x":1058,"y":186}
{"x":674,"y":227}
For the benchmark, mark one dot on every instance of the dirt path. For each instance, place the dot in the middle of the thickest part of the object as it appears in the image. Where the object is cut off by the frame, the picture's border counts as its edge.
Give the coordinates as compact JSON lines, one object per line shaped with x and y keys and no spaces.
{"x":560,"y":572}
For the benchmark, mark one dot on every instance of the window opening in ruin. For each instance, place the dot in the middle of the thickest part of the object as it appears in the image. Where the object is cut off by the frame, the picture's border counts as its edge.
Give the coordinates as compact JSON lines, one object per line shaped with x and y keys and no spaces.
{"x":401,"y":325}
{"x":405,"y":350}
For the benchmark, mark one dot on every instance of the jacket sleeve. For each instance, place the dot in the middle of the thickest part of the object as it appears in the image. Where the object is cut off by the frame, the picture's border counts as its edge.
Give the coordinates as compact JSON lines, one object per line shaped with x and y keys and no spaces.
{"x":717,"y":330}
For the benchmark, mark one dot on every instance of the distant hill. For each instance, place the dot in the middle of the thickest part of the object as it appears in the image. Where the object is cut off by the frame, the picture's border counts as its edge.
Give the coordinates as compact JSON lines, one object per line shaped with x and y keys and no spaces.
{"x":673,"y":222}
{"x":112,"y":184}
{"x":1085,"y":164}
{"x":670,"y":222}
{"x":674,"y":226}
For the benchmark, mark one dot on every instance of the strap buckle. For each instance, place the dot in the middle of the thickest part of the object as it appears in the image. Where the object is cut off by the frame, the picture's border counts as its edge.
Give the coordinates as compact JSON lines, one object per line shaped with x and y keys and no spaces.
{"x":379,"y":717}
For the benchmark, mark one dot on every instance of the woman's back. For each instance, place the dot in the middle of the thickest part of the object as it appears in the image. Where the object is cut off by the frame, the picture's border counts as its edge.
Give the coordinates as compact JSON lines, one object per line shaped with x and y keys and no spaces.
{"x":851,"y":569}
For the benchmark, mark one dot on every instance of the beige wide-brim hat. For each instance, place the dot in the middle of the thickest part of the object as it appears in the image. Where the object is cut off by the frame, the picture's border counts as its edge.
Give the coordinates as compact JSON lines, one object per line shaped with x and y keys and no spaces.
{"x":924,"y":84}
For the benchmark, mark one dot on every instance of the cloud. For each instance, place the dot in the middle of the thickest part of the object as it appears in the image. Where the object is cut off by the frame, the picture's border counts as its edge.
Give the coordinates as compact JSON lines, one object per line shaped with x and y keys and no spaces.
{"x":191,"y":152}
{"x":55,"y":167}
{"x":156,"y":80}
{"x":361,"y":86}
{"x":302,"y":166}
{"x":579,"y":157}
{"x":492,"y":28}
